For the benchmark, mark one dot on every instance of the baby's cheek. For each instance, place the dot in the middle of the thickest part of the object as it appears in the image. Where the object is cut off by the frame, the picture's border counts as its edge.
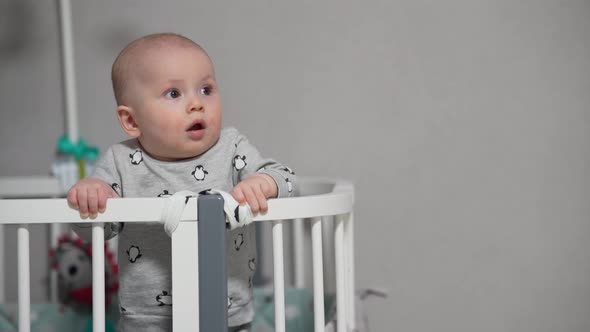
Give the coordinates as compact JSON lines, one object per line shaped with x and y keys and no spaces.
{"x":176,"y":127}
{"x":214,"y":122}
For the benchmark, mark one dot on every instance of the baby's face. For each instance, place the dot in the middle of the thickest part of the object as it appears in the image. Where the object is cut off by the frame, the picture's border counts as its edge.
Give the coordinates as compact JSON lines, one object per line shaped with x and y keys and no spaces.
{"x":176,"y":103}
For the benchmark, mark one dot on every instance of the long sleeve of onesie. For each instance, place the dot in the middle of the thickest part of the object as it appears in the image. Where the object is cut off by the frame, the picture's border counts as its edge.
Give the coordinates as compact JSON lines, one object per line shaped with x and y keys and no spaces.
{"x":247,"y":161}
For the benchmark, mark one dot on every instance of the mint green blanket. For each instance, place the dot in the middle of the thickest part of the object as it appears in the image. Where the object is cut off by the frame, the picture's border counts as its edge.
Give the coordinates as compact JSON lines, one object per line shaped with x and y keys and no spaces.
{"x":51,"y":317}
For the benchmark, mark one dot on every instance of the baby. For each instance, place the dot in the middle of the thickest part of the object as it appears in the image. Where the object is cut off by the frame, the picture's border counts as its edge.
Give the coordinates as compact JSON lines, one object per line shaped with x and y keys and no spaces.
{"x":168,"y":102}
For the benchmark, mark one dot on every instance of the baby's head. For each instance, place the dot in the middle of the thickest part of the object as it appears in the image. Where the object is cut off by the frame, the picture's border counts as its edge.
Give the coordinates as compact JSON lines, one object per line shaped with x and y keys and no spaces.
{"x":167,"y":96}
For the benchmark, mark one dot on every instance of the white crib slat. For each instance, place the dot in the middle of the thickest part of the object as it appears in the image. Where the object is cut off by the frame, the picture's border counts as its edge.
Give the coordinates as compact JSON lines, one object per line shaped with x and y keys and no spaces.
{"x":299,"y":258}
{"x":24,"y":291}
{"x":185,"y":277}
{"x":98,"y":287}
{"x":318,"y":274}
{"x":54,"y":233}
{"x":279,"y":275}
{"x":340,"y":272}
{"x":349,"y":267}
{"x":2,"y":267}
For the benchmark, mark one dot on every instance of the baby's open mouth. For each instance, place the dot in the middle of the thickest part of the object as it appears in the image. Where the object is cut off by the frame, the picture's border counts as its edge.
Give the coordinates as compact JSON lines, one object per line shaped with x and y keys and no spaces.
{"x":196,"y":130}
{"x":196,"y":126}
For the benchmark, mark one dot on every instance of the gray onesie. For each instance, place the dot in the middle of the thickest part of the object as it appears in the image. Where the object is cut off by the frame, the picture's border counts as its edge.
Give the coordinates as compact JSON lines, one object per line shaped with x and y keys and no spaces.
{"x":145,"y":292}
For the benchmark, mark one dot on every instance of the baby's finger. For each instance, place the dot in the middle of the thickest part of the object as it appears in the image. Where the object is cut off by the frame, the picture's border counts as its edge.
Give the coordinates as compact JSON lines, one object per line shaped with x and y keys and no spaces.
{"x":73,"y":198}
{"x":251,"y":199}
{"x":93,"y":202}
{"x":102,"y":200}
{"x":238,"y":195}
{"x":261,"y":199}
{"x":83,"y":202}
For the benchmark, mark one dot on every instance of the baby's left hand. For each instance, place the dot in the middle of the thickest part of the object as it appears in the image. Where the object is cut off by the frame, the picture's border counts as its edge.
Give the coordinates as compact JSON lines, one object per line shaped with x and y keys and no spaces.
{"x":255,"y":190}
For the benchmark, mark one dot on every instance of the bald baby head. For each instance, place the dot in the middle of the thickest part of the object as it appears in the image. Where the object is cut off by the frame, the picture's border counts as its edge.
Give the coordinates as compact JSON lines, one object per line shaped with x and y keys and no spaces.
{"x":129,"y":62}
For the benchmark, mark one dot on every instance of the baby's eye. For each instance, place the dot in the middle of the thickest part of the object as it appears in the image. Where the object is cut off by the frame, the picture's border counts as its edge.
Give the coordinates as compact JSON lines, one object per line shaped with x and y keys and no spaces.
{"x":173,"y":93}
{"x":206,"y":90}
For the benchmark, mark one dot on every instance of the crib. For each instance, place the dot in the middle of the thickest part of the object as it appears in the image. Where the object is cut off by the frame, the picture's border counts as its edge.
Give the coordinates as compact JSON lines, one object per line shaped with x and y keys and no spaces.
{"x":324,"y":205}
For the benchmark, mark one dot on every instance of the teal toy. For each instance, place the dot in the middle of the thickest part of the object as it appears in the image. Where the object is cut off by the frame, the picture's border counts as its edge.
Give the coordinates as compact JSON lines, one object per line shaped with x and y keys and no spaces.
{"x":79,"y":151}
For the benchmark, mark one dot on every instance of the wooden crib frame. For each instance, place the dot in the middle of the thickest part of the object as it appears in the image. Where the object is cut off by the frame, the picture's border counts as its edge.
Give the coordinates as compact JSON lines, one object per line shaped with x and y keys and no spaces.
{"x":317,"y":200}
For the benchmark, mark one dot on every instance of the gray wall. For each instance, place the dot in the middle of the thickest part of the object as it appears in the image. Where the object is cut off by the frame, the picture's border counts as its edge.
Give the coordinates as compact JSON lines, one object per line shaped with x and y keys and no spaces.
{"x":464,"y":125}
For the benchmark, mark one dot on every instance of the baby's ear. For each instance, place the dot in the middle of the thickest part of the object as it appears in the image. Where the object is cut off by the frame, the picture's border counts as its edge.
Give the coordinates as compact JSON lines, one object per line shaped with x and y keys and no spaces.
{"x":127,"y":121}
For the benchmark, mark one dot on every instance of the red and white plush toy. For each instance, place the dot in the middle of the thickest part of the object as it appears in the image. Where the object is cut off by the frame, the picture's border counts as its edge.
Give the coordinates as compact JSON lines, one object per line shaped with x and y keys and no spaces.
{"x":72,"y":259}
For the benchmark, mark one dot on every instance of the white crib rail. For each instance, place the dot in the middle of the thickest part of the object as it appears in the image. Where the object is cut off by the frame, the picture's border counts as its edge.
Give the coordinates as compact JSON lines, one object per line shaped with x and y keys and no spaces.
{"x":335,"y":199}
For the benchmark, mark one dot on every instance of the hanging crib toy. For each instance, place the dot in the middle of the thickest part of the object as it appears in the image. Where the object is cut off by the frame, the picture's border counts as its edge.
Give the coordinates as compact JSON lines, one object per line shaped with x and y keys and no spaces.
{"x":73,"y":162}
{"x":75,"y":159}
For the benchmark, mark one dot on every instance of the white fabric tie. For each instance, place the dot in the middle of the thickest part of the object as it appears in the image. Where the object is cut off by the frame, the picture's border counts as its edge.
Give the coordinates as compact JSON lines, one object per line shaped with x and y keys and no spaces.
{"x":236,"y":215}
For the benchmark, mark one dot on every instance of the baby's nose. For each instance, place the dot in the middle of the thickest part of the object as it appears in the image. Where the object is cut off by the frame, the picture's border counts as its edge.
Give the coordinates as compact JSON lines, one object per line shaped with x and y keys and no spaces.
{"x":195,"y":105}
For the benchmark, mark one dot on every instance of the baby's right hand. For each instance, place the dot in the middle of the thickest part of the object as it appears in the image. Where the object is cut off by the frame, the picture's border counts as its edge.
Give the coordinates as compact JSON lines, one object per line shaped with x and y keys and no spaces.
{"x":89,"y":196}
